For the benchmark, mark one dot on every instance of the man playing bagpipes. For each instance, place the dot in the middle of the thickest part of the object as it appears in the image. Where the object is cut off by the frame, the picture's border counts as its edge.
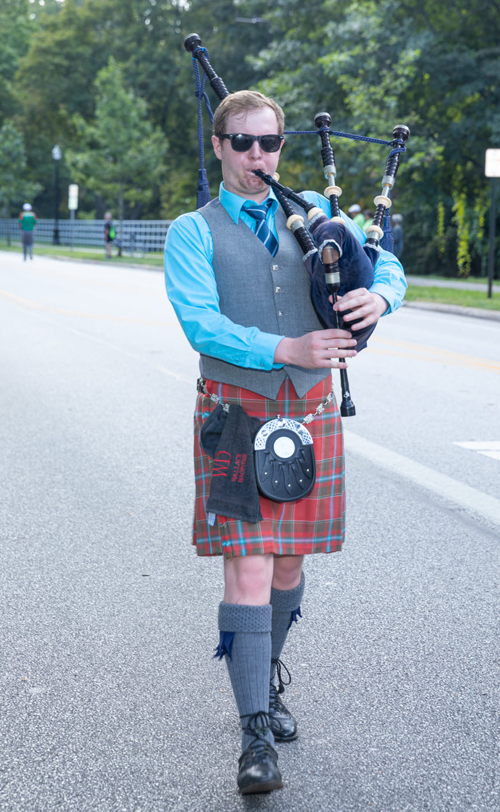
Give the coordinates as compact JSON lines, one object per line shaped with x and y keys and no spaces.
{"x":236,"y":279}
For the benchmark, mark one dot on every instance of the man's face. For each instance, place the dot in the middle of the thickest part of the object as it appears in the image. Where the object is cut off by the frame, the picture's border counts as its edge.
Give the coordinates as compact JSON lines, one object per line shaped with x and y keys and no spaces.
{"x":237,"y":166}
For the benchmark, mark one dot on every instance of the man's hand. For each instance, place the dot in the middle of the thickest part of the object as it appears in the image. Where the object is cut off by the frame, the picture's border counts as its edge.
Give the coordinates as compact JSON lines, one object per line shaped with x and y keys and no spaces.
{"x":365,"y":305}
{"x":316,"y":350}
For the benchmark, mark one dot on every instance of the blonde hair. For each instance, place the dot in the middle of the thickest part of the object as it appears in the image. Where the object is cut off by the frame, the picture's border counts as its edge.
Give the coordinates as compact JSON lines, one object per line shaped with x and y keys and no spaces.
{"x":242,"y":102}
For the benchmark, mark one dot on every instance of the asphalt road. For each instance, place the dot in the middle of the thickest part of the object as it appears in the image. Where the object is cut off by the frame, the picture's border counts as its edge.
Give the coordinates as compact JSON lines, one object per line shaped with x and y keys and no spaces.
{"x":110,"y":700}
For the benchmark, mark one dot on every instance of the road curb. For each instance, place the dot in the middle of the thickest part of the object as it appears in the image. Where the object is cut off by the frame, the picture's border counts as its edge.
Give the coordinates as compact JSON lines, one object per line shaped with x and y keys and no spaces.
{"x":456,"y":310}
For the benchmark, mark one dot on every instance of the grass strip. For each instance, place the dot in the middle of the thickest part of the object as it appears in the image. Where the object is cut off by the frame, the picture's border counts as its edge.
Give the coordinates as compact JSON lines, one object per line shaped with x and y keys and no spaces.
{"x":464,"y":298}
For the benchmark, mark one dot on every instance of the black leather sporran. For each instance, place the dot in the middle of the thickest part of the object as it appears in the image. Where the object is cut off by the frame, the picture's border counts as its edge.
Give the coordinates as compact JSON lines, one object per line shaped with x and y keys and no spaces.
{"x":284,"y":460}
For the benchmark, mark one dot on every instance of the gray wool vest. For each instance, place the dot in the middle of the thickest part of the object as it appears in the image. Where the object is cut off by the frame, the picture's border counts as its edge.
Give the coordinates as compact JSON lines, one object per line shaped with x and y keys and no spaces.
{"x":258,"y":290}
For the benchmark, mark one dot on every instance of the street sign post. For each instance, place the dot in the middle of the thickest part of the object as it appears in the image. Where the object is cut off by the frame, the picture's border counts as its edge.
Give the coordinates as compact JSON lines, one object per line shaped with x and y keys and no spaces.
{"x":492,"y":170}
{"x":57,"y":155}
{"x":73,"y":196}
{"x":72,"y":205}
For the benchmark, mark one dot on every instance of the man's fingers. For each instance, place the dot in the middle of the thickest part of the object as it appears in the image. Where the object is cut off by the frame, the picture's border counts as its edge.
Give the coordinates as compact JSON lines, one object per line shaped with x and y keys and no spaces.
{"x":335,"y":335}
{"x":364,"y":323}
{"x":353,"y":304}
{"x":362,"y":312}
{"x":334,"y":352}
{"x":339,"y":343}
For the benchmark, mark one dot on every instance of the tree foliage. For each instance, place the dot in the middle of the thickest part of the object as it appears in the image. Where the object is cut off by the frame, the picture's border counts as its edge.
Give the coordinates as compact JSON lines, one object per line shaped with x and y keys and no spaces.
{"x":15,"y":187}
{"x":120,"y":154}
{"x":370,"y":63}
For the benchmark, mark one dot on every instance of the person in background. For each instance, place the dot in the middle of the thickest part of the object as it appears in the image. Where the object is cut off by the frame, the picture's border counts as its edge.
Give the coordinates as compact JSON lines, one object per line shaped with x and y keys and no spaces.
{"x":109,"y":233}
{"x":27,"y":222}
{"x":368,"y":215}
{"x":356,"y":215}
{"x":397,"y":233}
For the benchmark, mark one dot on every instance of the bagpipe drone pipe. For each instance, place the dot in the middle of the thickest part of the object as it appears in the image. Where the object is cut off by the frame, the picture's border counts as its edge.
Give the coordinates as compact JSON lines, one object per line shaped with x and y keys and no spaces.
{"x":336,"y":261}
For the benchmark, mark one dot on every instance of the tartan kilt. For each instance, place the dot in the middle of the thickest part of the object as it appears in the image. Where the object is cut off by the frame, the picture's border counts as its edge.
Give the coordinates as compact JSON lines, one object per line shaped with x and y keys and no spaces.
{"x":315,"y":524}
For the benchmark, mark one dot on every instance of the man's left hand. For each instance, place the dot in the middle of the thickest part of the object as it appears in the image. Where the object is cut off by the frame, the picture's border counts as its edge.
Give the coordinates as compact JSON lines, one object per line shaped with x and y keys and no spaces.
{"x":364,"y":305}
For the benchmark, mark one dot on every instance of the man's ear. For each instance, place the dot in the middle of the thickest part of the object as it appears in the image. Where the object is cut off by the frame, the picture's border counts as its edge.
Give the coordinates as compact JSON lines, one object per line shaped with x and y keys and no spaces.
{"x":217,"y":147}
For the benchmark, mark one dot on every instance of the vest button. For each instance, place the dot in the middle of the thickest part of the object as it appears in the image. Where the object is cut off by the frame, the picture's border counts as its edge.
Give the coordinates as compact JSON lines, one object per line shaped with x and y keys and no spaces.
{"x":280,"y":313}
{"x":275,"y":267}
{"x":277,"y":290}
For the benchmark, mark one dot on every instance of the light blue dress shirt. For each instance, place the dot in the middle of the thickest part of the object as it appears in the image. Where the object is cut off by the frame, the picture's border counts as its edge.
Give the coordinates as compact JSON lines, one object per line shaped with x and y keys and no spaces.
{"x":192,"y":289}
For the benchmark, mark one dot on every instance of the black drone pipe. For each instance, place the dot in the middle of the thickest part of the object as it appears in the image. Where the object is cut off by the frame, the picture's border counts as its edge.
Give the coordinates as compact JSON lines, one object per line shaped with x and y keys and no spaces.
{"x":193,"y":44}
{"x":383,"y":202}
{"x":322,"y":123}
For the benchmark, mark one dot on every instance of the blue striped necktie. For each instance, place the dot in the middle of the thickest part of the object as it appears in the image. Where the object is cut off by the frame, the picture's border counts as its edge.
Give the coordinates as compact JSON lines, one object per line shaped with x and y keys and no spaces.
{"x":263,"y":232}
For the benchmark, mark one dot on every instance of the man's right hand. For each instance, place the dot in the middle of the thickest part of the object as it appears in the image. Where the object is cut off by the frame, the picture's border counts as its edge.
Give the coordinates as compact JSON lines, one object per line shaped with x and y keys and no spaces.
{"x":317,"y":350}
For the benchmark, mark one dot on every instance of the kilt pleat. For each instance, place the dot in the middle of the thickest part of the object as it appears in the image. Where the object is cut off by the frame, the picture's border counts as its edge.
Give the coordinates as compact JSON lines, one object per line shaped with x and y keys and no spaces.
{"x":315,"y":524}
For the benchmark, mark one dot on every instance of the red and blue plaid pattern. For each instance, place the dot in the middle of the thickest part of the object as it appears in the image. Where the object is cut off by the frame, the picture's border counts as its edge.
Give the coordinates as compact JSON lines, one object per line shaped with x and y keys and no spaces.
{"x":315,"y":524}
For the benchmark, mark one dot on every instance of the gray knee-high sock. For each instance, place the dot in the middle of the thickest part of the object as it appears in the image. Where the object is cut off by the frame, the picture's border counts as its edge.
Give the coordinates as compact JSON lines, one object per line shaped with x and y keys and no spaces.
{"x":246,"y":640}
{"x":286,"y":609}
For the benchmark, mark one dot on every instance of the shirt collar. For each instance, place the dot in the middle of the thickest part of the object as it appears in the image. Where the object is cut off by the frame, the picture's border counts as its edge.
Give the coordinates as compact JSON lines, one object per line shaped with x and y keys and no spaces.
{"x":233,"y":204}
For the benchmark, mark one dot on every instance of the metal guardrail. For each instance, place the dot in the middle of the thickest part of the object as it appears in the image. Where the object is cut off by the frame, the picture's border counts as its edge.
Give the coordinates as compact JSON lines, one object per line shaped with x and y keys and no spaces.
{"x":150,"y":234}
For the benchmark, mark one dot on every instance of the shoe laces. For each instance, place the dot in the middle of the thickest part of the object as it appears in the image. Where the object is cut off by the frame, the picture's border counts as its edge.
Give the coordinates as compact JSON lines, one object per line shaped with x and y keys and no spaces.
{"x":257,"y":725}
{"x":280,"y":667}
{"x":275,"y":703}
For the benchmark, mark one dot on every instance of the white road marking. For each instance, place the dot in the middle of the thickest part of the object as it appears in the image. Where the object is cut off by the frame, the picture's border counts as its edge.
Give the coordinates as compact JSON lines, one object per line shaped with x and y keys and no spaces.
{"x":486,"y":449}
{"x":491,"y":445}
{"x":452,"y":489}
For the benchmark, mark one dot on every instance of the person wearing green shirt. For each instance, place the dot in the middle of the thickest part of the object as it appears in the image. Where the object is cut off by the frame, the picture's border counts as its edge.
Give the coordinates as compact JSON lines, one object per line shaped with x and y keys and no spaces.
{"x":356,"y":215}
{"x":27,"y":222}
{"x":109,"y":233}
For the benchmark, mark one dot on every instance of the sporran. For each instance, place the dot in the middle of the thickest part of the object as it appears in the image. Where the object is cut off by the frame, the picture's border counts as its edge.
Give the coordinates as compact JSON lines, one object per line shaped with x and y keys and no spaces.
{"x":285,"y":467}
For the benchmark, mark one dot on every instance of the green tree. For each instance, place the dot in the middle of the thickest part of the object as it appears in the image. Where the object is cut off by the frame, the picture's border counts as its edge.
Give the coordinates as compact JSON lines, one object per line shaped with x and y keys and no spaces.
{"x":57,"y":76}
{"x":121,"y":155}
{"x":16,"y":29}
{"x":375,"y":64}
{"x":15,"y":187}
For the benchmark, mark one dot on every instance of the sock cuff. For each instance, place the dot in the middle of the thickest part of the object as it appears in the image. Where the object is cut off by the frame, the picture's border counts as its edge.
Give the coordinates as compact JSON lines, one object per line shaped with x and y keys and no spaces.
{"x":286,"y":600}
{"x":235,"y":617}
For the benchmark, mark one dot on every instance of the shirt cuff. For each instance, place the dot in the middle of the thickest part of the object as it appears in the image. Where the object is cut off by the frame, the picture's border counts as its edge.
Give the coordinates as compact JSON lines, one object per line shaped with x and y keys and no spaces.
{"x":264,"y":348}
{"x":387,"y":292}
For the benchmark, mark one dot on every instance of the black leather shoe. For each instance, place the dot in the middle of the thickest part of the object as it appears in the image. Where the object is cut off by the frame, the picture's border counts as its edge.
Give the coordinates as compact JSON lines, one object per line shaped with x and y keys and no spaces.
{"x":258,"y":764}
{"x":281,"y":721}
{"x":258,"y":769}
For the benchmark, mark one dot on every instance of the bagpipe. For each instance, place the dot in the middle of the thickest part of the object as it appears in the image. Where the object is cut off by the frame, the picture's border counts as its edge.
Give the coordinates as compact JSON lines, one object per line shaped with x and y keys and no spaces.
{"x":335,"y":260}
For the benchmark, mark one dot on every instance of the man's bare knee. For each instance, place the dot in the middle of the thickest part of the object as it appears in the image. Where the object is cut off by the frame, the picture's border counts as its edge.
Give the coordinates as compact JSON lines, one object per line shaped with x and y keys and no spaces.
{"x":248,"y":580}
{"x":287,"y":571}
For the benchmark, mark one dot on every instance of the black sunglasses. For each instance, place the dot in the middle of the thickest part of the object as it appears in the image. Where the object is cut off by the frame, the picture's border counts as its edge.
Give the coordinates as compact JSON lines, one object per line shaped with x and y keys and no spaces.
{"x":241,"y":142}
